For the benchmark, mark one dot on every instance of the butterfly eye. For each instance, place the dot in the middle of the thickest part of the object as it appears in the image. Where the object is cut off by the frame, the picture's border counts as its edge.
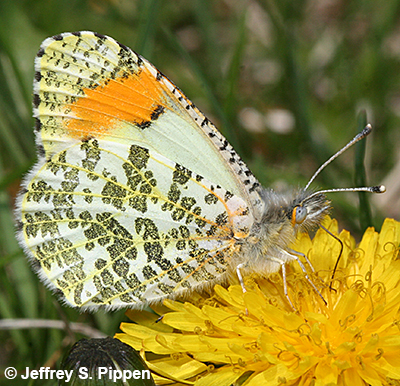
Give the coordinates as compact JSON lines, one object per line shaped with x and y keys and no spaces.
{"x":299,"y":214}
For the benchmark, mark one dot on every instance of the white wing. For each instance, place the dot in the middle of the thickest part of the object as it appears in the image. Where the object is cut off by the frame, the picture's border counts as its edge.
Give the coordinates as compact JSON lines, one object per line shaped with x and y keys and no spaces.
{"x":90,"y":85}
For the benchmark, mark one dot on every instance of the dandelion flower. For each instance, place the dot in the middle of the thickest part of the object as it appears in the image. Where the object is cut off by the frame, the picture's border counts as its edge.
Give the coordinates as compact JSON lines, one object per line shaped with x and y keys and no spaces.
{"x":256,"y":338}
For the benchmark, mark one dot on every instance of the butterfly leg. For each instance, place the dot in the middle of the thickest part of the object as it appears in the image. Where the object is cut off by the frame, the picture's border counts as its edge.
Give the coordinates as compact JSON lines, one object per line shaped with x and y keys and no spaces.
{"x":240,"y":277}
{"x":285,"y":290}
{"x":241,"y":281}
{"x":303,"y":268}
{"x":283,"y":267}
{"x":293,"y":252}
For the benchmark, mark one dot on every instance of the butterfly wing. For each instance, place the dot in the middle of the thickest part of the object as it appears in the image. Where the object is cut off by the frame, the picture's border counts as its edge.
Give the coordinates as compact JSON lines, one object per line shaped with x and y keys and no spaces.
{"x":122,"y":207}
{"x":90,"y":85}
{"x":117,"y":224}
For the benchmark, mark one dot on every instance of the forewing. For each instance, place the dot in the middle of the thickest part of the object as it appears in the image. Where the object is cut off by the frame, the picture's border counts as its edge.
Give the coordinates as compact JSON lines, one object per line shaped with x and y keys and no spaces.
{"x":88,"y":85}
{"x":114,"y":224}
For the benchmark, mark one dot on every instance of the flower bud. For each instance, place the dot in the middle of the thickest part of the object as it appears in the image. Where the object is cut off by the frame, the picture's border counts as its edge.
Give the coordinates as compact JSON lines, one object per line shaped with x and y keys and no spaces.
{"x":106,"y":361}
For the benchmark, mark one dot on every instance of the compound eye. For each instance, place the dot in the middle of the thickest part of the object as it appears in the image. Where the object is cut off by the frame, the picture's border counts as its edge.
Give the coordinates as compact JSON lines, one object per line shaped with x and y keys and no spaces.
{"x":299,"y":214}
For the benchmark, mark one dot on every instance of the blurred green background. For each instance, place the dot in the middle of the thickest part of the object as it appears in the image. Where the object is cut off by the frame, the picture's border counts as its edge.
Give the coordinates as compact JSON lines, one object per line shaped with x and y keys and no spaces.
{"x":287,"y":82}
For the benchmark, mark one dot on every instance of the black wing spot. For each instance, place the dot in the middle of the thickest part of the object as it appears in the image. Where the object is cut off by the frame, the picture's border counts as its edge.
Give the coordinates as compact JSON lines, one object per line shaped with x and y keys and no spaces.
{"x":36,"y":100}
{"x":157,"y":112}
{"x":100,"y":36}
{"x":40,"y":150}
{"x":40,"y":53}
{"x":38,"y":125}
{"x":143,"y":125}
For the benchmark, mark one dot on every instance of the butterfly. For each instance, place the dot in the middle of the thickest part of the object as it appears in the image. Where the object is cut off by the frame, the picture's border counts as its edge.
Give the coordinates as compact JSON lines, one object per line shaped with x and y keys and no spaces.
{"x":136,"y":196}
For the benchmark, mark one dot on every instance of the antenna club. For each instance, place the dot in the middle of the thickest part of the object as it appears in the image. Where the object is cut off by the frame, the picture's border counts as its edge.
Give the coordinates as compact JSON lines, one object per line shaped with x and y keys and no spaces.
{"x":362,"y":134}
{"x":367,"y":129}
{"x":378,"y":189}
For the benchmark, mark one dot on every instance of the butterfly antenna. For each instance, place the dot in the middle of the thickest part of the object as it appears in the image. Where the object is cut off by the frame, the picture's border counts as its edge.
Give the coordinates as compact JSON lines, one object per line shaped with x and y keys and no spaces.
{"x":367,"y":130}
{"x":369,"y":189}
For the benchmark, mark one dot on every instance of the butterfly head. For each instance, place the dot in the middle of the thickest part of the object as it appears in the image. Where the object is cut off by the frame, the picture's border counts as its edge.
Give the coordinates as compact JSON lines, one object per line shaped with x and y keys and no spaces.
{"x":299,"y":210}
{"x":307,"y":210}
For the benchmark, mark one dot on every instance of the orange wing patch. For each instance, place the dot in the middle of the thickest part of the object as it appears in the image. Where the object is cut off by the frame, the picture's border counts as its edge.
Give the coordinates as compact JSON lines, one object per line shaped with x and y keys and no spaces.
{"x":136,"y":99}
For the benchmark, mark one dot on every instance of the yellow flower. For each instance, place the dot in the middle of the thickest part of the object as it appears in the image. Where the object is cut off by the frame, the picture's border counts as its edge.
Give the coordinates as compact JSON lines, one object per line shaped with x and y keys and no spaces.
{"x":255,"y":338}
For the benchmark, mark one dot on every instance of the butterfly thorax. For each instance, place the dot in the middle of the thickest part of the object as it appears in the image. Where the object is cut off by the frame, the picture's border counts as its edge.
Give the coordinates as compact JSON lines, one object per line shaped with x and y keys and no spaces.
{"x":284,"y":216}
